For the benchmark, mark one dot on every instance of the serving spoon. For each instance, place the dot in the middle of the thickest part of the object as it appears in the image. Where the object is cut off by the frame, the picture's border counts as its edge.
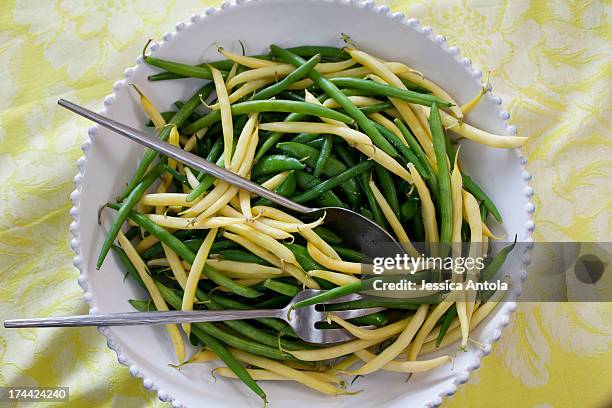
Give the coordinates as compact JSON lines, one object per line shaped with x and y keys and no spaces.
{"x":357,"y":230}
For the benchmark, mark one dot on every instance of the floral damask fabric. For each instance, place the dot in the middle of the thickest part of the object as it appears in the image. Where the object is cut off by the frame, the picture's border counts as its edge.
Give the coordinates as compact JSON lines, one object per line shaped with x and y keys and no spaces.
{"x":550,"y":61}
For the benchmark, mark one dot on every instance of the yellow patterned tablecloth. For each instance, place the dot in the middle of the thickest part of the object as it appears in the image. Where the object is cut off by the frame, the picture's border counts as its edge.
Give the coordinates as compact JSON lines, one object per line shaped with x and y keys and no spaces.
{"x":551,"y":63}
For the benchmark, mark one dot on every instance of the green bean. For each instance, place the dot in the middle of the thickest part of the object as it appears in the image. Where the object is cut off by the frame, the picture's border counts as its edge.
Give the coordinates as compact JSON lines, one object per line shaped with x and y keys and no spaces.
{"x":348,"y":254}
{"x":484,"y":212}
{"x":366,"y":212}
{"x":388,"y":188}
{"x":404,"y":150}
{"x":414,"y":87}
{"x":358,"y":92}
{"x":451,"y":152}
{"x":327,"y":235}
{"x":175,"y":174}
{"x":362,"y":179}
{"x":377,"y":213}
{"x":193,"y":244}
{"x":239,"y":123}
{"x":285,"y":189}
{"x":328,"y":199}
{"x":132,"y":233}
{"x":240,"y":256}
{"x":373,"y":302}
{"x":274,"y":137}
{"x":448,"y":319}
{"x":275,"y":163}
{"x":413,"y":144}
{"x":303,"y":257}
{"x":408,"y":209}
{"x":127,"y":265}
{"x":324,"y":51}
{"x":293,"y":96}
{"x":282,"y":288}
{"x":305,"y":137}
{"x":471,"y":186}
{"x":418,"y":229}
{"x":317,"y":143}
{"x":498,"y":260}
{"x":445,"y":203}
{"x":374,"y":319}
{"x":218,"y":332}
{"x":203,"y":146}
{"x":193,"y":71}
{"x":333,"y":182}
{"x":269,"y":106}
{"x":222,"y":65}
{"x":229,"y":283}
{"x":323,"y":156}
{"x":333,"y":167}
{"x":331,"y":294}
{"x":429,"y":174}
{"x":165,"y":75}
{"x":178,"y":119}
{"x":142,"y":305}
{"x":377,"y":107}
{"x":390,"y":91}
{"x":308,"y":264}
{"x":297,"y":74}
{"x":332,"y":91}
{"x":207,"y":181}
{"x":228,"y":358}
{"x":465,"y":232}
{"x":213,"y":155}
{"x":179,"y":105}
{"x":125,"y":209}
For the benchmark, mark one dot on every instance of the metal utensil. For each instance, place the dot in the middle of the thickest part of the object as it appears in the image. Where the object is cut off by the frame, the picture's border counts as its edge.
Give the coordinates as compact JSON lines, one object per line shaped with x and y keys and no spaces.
{"x":301,"y":320}
{"x":358,"y":231}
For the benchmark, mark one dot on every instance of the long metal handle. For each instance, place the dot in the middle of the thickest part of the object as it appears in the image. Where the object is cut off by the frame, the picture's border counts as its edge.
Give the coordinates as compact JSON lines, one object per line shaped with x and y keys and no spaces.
{"x":143,"y":318}
{"x":184,"y":157}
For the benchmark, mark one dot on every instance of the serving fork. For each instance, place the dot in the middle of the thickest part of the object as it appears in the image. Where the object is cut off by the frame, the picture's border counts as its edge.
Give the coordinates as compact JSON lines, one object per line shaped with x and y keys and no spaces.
{"x":302,"y":321}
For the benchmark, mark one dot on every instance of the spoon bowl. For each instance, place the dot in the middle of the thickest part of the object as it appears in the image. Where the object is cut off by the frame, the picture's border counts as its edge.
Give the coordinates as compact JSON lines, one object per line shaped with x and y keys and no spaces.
{"x":359,"y":232}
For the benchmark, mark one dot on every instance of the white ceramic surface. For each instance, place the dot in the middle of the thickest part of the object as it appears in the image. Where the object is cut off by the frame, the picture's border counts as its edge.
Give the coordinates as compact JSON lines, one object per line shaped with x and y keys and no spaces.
{"x":108,"y":160}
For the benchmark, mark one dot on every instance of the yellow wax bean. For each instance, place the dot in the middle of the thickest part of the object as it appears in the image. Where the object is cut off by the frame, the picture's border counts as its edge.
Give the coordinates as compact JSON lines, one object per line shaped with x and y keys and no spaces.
{"x":158,"y":300}
{"x":406,"y":366}
{"x":302,"y":377}
{"x":354,"y":268}
{"x":395,"y":223}
{"x":226,"y":114}
{"x":194,"y":275}
{"x":398,"y":345}
{"x":371,"y":334}
{"x":310,"y":236}
{"x":428,"y":209}
{"x":336,"y":278}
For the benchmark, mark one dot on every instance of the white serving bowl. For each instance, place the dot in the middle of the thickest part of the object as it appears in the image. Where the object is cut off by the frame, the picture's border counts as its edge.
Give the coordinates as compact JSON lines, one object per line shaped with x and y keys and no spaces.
{"x":109,"y":161}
